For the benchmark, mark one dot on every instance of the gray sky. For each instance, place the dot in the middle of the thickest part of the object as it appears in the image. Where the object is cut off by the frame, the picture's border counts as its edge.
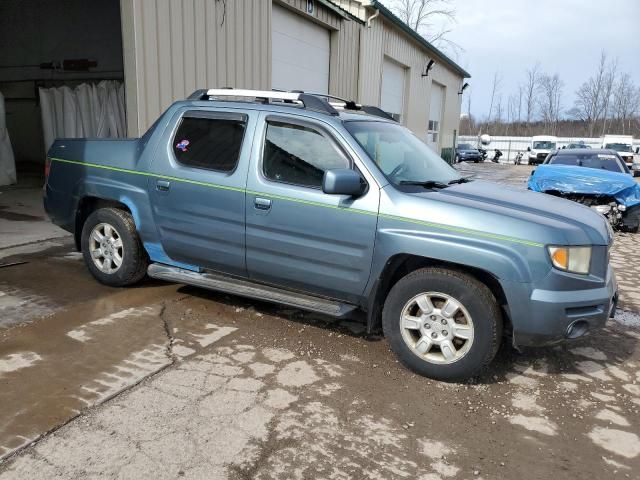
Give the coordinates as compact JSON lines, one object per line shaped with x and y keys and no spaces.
{"x":565,"y":36}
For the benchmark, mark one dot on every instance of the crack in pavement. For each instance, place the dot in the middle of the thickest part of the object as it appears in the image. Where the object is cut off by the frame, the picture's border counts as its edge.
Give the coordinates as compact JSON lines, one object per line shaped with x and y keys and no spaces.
{"x":168,"y":329}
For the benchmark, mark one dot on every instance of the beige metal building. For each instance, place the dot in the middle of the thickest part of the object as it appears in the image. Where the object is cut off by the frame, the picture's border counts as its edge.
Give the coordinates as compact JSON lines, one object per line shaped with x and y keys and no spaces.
{"x":163,"y":50}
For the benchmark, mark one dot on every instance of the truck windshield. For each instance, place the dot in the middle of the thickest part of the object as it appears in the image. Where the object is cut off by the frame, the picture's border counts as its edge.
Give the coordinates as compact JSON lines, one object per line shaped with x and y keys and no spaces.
{"x":600,"y":161}
{"x":544,"y":145}
{"x":618,"y":147}
{"x":400,"y":155}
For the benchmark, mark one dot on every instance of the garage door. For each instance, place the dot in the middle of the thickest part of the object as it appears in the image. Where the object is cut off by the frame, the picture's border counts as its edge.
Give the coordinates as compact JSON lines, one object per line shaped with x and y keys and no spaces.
{"x":435,"y":115}
{"x":300,"y":52}
{"x":392,"y":91}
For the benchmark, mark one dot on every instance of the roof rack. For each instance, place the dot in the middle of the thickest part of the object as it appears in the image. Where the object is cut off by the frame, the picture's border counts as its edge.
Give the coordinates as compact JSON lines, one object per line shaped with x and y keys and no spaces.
{"x":309,"y":102}
{"x":317,"y":102}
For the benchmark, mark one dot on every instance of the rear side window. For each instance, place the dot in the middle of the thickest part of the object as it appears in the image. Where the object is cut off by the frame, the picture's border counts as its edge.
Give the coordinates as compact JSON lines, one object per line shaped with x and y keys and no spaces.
{"x":299,"y":154}
{"x":209,"y":142}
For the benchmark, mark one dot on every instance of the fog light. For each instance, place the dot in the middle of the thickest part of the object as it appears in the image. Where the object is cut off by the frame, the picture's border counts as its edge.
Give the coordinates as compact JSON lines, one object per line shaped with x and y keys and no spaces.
{"x":577,"y":329}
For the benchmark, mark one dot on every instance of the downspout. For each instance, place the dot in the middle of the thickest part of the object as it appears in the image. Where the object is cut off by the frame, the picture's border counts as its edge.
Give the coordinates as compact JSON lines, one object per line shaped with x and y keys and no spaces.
{"x":361,"y":55}
{"x":372,"y":17}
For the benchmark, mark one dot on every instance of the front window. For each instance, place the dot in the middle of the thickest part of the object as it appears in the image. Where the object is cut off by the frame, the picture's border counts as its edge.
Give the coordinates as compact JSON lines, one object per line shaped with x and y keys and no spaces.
{"x":399,"y":154}
{"x":299,"y":154}
{"x":544,"y":145}
{"x":465,"y":146}
{"x":599,"y":161}
{"x":618,"y":147}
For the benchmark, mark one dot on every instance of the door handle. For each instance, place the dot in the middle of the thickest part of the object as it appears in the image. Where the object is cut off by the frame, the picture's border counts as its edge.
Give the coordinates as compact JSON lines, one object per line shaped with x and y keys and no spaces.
{"x":262,"y":203}
{"x":163,"y":185}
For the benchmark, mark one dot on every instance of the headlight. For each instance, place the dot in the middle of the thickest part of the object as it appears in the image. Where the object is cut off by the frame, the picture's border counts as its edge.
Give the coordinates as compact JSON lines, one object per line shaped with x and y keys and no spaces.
{"x":571,"y":259}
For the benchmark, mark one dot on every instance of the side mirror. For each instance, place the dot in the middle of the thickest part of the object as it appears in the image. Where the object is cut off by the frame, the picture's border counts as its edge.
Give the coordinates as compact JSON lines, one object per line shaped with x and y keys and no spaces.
{"x":528,"y":149}
{"x":343,"y":181}
{"x":637,"y":149}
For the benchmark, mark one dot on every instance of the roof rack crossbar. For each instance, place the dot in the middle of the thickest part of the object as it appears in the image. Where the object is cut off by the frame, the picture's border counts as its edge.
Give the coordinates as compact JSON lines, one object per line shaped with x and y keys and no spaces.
{"x":308,"y":101}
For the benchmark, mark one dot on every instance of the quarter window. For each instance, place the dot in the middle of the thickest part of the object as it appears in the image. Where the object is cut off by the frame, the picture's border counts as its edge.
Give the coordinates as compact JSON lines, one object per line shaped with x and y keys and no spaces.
{"x":299,"y":154}
{"x":209,"y":142}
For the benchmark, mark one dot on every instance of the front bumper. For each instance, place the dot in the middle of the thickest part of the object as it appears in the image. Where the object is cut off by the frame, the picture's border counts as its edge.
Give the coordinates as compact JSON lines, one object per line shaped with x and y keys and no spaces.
{"x":553,"y":316}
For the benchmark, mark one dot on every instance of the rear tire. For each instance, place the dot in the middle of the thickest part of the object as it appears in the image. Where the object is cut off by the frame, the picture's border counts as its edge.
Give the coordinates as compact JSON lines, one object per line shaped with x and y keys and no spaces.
{"x":112,"y":249}
{"x":427,"y":316}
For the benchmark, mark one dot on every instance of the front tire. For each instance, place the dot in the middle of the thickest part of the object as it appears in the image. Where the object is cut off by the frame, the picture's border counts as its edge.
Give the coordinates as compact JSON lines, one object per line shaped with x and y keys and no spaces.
{"x":442,"y":324}
{"x":112,"y":249}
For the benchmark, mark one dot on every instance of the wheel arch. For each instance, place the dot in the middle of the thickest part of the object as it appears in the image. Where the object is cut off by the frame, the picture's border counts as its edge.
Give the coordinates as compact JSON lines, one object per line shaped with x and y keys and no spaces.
{"x":86,"y":206}
{"x":401,"y":265}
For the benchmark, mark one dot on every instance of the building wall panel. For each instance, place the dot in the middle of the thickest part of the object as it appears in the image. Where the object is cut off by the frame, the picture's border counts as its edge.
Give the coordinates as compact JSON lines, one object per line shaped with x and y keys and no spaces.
{"x":383,"y":39}
{"x":172,"y":47}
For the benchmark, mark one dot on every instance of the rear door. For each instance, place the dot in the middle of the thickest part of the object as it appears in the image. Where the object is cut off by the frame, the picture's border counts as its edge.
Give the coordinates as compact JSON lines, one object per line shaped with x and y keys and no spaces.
{"x":298,"y":236}
{"x":198,"y":197}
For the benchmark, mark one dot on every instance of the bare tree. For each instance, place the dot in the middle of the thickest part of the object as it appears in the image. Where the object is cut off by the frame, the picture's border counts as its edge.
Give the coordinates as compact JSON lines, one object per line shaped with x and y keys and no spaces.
{"x":550,"y":101}
{"x":530,"y":88}
{"x":520,"y":95}
{"x":430,"y":18}
{"x":590,"y":97}
{"x":512,"y":112}
{"x":499,"y":111}
{"x":626,"y":102}
{"x":497,"y":80}
{"x":609,"y":81}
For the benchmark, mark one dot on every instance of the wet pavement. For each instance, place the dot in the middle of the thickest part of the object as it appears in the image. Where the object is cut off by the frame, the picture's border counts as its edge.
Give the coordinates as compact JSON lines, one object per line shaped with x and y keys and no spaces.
{"x":168,"y":381}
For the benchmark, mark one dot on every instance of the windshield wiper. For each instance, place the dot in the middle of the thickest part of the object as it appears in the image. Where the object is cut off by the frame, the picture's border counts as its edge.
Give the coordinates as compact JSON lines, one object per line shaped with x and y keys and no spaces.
{"x":425,"y":184}
{"x":459,"y":180}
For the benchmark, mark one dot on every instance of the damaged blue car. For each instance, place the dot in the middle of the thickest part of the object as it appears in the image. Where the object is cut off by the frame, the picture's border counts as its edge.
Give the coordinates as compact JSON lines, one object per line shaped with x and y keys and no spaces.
{"x":596,"y":178}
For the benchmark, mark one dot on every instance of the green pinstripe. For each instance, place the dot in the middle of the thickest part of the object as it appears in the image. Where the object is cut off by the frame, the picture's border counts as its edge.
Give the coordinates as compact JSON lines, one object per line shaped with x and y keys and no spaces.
{"x":440,"y":226}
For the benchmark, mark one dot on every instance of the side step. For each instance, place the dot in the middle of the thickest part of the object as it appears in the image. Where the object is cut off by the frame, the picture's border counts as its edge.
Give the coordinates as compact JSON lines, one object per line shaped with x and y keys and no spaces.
{"x":246,"y":288}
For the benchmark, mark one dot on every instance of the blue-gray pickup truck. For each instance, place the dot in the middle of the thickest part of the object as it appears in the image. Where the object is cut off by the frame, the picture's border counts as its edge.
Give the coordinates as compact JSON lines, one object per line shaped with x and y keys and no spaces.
{"x":331,"y":206}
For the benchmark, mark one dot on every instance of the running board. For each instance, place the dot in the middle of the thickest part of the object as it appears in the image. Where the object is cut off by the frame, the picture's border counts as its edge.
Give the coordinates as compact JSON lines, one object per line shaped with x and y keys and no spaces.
{"x":246,"y":288}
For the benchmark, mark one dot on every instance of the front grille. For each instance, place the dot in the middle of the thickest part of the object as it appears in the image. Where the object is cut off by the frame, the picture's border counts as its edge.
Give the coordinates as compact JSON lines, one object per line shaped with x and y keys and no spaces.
{"x":542,"y":156}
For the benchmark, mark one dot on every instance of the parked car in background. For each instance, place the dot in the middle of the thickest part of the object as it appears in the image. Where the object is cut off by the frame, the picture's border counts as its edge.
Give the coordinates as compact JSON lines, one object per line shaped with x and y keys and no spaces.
{"x":468,"y":153}
{"x":541,"y":146}
{"x":287,"y":198}
{"x":623,"y":144}
{"x":576,"y":145}
{"x":596,"y":178}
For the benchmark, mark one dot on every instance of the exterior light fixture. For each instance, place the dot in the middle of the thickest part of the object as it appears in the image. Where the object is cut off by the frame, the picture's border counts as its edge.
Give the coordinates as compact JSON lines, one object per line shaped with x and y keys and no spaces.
{"x":429,"y":67}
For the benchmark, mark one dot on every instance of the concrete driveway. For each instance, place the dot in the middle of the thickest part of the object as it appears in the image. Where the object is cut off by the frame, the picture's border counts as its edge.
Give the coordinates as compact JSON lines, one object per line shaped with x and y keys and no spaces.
{"x":167,"y":381}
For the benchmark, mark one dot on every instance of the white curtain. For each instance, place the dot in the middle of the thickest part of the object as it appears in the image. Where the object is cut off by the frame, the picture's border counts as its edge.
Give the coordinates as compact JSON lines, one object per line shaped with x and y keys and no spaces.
{"x":7,"y":161}
{"x":88,"y":110}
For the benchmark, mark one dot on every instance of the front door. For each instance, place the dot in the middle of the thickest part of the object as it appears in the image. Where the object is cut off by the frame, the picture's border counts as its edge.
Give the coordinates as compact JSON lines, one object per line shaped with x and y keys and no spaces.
{"x":198,"y":197}
{"x":297,"y":236}
{"x":435,"y":116}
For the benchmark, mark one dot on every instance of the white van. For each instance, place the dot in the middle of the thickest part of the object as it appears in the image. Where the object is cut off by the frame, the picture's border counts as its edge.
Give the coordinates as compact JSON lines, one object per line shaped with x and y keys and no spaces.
{"x":541,"y":146}
{"x":623,"y":144}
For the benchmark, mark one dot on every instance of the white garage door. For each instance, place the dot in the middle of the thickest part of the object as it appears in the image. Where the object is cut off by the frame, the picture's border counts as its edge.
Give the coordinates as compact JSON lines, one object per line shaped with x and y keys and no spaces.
{"x":435,"y":115}
{"x":392,"y":91}
{"x":300,"y":50}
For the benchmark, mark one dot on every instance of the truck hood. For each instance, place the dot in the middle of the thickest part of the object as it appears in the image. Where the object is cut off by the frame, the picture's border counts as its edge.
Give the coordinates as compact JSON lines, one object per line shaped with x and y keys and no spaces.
{"x":496,"y":209}
{"x":586,"y":181}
